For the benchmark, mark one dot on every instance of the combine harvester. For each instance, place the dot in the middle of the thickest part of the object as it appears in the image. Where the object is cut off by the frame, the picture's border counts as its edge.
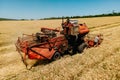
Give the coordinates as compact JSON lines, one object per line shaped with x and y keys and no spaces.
{"x":51,"y":44}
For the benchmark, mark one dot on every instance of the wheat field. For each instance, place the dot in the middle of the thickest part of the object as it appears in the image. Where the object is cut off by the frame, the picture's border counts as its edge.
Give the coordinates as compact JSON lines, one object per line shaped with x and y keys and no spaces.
{"x":97,"y":63}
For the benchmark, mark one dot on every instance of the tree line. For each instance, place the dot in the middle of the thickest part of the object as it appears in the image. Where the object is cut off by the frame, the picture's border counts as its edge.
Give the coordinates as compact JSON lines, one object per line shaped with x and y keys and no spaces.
{"x":88,"y":16}
{"x":4,"y":19}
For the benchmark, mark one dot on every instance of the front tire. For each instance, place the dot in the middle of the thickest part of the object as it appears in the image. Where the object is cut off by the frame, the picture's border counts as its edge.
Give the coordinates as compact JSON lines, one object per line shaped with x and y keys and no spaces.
{"x":56,"y":56}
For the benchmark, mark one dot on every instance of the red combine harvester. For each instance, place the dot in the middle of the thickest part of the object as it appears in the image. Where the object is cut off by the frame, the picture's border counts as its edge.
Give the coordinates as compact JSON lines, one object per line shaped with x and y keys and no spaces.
{"x":52,"y":43}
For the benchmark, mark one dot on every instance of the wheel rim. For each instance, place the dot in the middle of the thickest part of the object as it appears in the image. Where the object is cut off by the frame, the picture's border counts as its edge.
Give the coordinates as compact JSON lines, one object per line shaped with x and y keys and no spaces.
{"x":56,"y":56}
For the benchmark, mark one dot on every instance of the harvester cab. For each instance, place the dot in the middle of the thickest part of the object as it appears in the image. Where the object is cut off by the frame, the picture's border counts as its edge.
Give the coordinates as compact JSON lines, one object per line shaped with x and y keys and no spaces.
{"x":75,"y":34}
{"x":70,"y":26}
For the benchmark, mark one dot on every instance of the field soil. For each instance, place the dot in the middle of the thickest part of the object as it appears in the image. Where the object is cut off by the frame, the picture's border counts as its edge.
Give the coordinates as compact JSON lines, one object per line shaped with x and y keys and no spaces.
{"x":96,"y":63}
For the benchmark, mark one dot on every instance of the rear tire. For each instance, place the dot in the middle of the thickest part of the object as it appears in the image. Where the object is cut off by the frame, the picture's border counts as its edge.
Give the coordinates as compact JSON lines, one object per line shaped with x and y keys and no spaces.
{"x":81,"y":47}
{"x":56,"y":56}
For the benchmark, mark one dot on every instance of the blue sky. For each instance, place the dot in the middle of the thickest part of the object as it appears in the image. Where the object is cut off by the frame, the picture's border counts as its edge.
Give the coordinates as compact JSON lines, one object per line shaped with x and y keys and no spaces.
{"x":36,"y":9}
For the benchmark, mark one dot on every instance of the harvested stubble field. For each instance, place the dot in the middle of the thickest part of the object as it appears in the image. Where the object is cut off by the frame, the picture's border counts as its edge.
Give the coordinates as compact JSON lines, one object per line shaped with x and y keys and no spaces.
{"x":98,"y":63}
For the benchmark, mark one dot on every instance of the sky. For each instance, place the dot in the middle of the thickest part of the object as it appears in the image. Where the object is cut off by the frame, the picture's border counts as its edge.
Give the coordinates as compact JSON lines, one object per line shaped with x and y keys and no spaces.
{"x":37,"y":9}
